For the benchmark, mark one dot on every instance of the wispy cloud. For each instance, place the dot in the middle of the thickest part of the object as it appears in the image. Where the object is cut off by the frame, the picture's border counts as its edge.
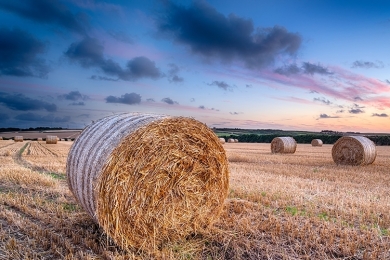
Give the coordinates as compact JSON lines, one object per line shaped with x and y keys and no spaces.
{"x":367,"y":64}
{"x":325,"y":116}
{"x":220,"y":84}
{"x":380,"y":115}
{"x":128,"y":98}
{"x":169,"y":101}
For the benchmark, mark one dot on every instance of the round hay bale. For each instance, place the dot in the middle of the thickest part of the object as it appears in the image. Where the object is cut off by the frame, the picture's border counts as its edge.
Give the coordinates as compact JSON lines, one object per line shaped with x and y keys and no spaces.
{"x":236,"y":140}
{"x":39,"y":139}
{"x":51,"y":139}
{"x":230,"y":140}
{"x":18,"y":138}
{"x":283,"y":145}
{"x":316,"y":142}
{"x":149,"y":179}
{"x":1,"y":138}
{"x":353,"y":150}
{"x":222,"y":140}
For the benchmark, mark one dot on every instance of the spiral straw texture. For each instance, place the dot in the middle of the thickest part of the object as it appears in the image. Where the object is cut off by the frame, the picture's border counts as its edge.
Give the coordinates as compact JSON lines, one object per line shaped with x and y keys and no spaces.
{"x":353,"y":150}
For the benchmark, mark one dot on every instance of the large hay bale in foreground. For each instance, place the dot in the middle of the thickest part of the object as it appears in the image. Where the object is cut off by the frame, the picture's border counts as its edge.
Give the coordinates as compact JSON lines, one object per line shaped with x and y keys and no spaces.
{"x":51,"y":139}
{"x":284,"y":144}
{"x":149,"y":179}
{"x":222,"y":140}
{"x":316,"y":142}
{"x":353,"y":150}
{"x":18,"y":138}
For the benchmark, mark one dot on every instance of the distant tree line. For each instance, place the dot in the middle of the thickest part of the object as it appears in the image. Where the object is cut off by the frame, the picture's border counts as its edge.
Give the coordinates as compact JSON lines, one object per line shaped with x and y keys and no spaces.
{"x":304,"y":138}
{"x":40,"y":128}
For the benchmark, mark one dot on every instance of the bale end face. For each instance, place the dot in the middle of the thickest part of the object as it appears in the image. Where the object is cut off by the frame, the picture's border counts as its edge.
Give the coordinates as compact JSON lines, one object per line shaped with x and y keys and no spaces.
{"x":353,"y":150}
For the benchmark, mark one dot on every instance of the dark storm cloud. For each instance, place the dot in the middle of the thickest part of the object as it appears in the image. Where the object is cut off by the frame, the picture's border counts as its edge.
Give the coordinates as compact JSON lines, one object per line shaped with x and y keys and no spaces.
{"x":212,"y":34}
{"x":89,"y":53}
{"x":128,"y":98}
{"x":309,"y":68}
{"x":74,"y":96}
{"x":220,"y":84}
{"x":169,"y":101}
{"x":43,"y":119}
{"x":355,"y":111}
{"x":288,"y":70}
{"x":47,"y":12}
{"x":19,"y":52}
{"x":3,"y":117}
{"x":23,"y":103}
{"x":172,"y":73}
{"x":323,"y":100}
{"x":380,"y":115}
{"x":323,"y":116}
{"x":367,"y":64}
{"x":81,"y":103}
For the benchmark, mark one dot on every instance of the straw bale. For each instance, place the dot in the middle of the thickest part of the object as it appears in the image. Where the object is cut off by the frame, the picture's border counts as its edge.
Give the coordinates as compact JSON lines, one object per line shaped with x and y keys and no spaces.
{"x":18,"y":138}
{"x":236,"y":140}
{"x":354,"y":150}
{"x":149,"y":179}
{"x":62,"y":139}
{"x":230,"y":140}
{"x":51,"y":139}
{"x":39,"y":139}
{"x":316,"y":142}
{"x":284,"y":144}
{"x":1,"y":138}
{"x":222,"y":140}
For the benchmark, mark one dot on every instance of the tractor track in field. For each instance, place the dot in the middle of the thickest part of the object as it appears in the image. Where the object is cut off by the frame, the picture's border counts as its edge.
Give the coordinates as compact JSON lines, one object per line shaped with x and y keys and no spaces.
{"x":18,"y":159}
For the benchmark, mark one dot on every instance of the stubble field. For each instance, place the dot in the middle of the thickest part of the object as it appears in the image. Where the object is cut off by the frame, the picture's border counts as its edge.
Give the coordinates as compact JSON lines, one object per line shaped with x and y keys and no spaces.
{"x":280,"y":206}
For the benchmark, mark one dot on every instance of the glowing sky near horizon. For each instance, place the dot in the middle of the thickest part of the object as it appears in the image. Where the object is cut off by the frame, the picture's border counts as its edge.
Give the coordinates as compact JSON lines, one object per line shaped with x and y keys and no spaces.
{"x":292,"y":65}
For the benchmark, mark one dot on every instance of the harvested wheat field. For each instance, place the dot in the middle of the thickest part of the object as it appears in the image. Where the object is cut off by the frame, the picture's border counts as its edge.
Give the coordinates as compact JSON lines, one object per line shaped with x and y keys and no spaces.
{"x":280,"y":206}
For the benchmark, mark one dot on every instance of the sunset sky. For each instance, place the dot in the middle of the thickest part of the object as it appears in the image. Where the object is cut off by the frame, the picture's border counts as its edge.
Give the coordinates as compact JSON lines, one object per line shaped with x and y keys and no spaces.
{"x":283,"y":64}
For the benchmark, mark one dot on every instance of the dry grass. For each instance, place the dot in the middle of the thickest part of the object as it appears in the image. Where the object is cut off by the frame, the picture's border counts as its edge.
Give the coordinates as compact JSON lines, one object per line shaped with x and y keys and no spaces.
{"x":280,"y":206}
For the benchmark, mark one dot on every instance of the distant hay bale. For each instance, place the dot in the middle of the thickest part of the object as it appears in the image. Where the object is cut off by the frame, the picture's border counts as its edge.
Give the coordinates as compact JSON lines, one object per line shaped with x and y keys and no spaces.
{"x":51,"y":139}
{"x":283,"y":145}
{"x":222,"y":140}
{"x":18,"y":138}
{"x":62,"y":139}
{"x":316,"y":142}
{"x":39,"y":139}
{"x":1,"y":138}
{"x":230,"y":140}
{"x":354,"y":150}
{"x":149,"y":179}
{"x":236,"y":140}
